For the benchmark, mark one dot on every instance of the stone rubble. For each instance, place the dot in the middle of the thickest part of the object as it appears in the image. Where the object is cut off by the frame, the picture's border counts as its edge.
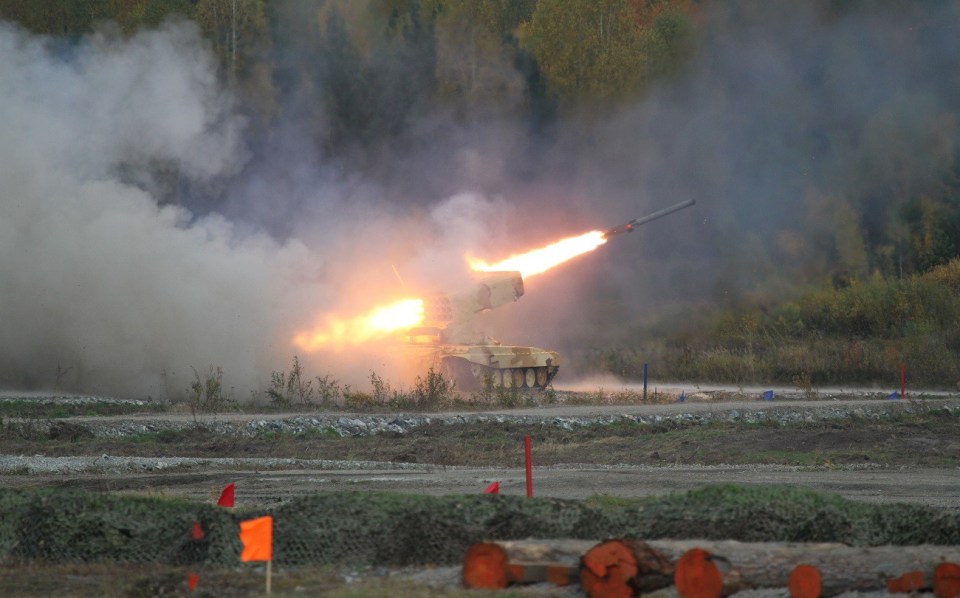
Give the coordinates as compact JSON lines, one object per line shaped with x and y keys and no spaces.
{"x":401,"y":423}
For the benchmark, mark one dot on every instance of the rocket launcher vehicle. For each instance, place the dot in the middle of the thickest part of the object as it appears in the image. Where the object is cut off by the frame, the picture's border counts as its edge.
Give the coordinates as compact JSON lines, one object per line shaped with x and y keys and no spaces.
{"x":451,"y":340}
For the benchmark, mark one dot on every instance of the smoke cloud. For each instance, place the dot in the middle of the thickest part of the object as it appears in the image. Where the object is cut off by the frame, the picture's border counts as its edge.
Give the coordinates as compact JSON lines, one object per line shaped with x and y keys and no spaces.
{"x":104,"y":290}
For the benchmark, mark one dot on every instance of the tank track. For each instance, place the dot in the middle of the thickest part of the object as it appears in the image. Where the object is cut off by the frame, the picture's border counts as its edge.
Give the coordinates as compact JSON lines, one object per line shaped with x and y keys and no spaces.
{"x":471,"y":376}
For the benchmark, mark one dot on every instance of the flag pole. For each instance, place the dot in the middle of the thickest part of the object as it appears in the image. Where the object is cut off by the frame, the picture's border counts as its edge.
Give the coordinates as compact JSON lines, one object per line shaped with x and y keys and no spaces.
{"x":269,"y":571}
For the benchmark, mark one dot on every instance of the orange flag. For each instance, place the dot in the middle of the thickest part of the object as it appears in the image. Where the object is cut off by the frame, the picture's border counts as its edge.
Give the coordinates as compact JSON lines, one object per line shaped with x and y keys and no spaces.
{"x":257,"y":538}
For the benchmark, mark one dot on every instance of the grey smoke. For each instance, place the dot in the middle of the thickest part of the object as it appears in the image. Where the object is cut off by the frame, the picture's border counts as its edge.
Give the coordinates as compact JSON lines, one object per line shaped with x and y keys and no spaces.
{"x":101,"y":288}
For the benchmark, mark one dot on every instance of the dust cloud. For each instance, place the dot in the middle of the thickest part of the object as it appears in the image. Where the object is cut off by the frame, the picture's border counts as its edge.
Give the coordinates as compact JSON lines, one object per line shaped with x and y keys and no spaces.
{"x":103,"y":289}
{"x":108,"y":289}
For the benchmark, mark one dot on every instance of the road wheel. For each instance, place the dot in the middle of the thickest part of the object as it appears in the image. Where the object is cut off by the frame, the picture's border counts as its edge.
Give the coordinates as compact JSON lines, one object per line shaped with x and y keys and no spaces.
{"x":542,"y":376}
{"x":529,"y":377}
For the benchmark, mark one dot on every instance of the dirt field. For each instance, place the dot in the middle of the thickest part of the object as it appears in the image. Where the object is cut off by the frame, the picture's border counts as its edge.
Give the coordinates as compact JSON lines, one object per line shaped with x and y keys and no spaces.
{"x":866,"y":449}
{"x":904,"y":459}
{"x":932,"y":487}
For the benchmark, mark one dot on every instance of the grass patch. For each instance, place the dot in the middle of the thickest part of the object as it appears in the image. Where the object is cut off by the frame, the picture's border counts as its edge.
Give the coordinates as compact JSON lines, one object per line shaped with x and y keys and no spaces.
{"x":27,"y":409}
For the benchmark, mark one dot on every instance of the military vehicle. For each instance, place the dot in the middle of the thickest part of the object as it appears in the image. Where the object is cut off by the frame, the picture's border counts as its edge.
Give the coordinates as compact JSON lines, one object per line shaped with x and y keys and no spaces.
{"x":451,"y":340}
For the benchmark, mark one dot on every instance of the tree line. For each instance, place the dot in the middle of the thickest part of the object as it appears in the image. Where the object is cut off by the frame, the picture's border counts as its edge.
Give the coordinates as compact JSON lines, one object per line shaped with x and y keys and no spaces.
{"x":380,"y":65}
{"x":382,"y":60}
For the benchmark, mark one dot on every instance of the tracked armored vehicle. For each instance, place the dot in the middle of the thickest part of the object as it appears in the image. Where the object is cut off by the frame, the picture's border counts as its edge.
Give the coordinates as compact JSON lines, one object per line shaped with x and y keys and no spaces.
{"x":451,"y":340}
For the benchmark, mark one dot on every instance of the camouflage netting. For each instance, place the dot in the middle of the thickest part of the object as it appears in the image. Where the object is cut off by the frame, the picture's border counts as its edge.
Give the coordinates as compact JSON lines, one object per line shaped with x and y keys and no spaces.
{"x":398,"y":529}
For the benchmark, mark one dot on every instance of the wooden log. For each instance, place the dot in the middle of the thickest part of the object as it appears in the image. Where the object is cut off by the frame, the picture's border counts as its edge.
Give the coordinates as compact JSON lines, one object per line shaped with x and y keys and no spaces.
{"x":805,"y":582}
{"x":697,"y":576}
{"x":946,"y":580}
{"x":623,"y":567}
{"x":842,"y":568}
{"x":629,"y":567}
{"x":908,"y":583}
{"x":496,"y":565}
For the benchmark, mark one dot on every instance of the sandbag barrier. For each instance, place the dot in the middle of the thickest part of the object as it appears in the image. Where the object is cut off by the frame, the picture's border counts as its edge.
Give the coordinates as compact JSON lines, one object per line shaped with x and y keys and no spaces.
{"x":712,"y":569}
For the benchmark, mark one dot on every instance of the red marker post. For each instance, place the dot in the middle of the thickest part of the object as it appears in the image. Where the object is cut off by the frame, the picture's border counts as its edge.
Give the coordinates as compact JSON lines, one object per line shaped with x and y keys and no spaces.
{"x":197,"y":534}
{"x":529,"y":462}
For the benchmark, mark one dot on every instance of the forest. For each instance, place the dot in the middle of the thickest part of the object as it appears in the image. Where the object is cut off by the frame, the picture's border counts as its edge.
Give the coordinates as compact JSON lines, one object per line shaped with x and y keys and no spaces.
{"x":819,"y":138}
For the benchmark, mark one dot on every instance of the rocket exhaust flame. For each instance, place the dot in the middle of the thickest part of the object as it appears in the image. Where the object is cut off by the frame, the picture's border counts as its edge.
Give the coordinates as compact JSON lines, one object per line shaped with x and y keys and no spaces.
{"x":408,"y":313}
{"x":376,"y":324}
{"x":542,"y":259}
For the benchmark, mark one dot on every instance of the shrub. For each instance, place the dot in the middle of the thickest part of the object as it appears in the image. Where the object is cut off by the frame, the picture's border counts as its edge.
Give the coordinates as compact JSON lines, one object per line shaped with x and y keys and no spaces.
{"x":434,"y":390}
{"x":206,"y":394}
{"x":286,"y":389}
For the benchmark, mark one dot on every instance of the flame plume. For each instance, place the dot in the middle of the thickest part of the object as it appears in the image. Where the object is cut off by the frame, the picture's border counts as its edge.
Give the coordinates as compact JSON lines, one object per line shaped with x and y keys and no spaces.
{"x":376,"y":324}
{"x":337,"y":332}
{"x":537,"y":261}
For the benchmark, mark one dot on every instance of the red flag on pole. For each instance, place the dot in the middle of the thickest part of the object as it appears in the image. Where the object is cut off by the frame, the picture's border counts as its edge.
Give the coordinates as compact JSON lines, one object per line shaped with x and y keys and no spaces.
{"x":192,"y":580}
{"x":226,"y":497}
{"x":197,"y":532}
{"x":529,"y":463}
{"x":257,"y":538}
{"x":493,"y":488}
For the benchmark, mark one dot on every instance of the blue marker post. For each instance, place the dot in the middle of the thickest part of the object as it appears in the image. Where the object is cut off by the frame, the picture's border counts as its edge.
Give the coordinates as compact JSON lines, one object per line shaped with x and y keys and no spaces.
{"x":644,"y":382}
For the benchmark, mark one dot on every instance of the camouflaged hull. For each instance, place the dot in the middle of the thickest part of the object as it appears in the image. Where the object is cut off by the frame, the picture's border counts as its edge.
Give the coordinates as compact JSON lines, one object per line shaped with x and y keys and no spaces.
{"x":474,"y":366}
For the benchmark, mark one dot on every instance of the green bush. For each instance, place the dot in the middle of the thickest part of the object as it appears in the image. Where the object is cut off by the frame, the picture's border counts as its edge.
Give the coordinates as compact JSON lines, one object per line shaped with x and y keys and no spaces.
{"x":859,"y":334}
{"x":363,"y":528}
